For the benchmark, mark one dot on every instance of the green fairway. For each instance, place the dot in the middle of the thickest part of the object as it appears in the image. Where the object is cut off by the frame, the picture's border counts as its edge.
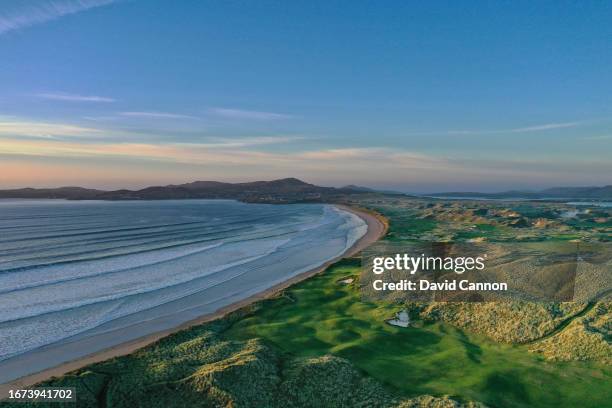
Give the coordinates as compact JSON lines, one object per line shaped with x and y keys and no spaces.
{"x":322,"y":316}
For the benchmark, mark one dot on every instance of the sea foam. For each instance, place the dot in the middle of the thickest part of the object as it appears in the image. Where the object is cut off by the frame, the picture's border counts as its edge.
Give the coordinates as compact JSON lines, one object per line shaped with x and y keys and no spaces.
{"x":72,"y":270}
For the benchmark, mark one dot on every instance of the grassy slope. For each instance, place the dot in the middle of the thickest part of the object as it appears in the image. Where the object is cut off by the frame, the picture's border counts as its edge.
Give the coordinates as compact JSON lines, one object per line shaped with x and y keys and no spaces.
{"x":271,"y":355}
{"x":320,"y":316}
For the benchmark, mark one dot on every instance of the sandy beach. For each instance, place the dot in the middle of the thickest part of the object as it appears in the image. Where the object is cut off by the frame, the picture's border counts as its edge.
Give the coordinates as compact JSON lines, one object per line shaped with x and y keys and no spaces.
{"x":377,"y":227}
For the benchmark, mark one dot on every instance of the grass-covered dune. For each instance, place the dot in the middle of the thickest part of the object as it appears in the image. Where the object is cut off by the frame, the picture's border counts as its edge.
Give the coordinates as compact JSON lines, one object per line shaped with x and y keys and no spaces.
{"x":587,"y":337}
{"x":558,"y":331}
{"x":321,"y":316}
{"x":320,"y":345}
{"x":505,"y":322}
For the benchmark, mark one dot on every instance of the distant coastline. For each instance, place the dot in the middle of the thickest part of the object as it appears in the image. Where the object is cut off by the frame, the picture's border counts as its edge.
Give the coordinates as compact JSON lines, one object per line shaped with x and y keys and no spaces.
{"x":292,"y":190}
{"x":551,"y":194}
{"x":603,"y":202}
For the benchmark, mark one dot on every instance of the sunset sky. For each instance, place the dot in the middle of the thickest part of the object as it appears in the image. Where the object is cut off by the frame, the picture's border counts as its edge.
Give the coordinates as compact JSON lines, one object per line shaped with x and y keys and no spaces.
{"x":413,"y":96}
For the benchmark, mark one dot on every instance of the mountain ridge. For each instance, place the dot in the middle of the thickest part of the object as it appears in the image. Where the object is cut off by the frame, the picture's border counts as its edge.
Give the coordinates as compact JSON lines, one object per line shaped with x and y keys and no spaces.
{"x":284,"y":190}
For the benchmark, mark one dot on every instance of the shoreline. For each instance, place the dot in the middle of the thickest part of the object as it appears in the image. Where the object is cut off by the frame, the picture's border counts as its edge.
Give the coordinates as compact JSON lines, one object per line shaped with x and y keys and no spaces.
{"x":377,"y":228}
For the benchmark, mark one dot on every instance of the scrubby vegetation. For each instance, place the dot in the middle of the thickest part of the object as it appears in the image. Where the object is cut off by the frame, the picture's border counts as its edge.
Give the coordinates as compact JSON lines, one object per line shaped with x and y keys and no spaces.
{"x":587,"y":337}
{"x":320,"y":344}
{"x":508,"y":322}
{"x":448,"y":220}
{"x":542,"y":223}
{"x":206,"y":367}
{"x":325,"y":317}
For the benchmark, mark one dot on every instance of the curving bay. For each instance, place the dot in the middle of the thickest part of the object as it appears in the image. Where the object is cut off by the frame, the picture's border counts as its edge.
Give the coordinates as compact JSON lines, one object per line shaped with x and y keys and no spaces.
{"x":79,"y":277}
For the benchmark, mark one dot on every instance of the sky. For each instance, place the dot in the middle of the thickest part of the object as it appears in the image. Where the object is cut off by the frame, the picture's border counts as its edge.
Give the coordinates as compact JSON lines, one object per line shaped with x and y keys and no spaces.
{"x":411,"y":96}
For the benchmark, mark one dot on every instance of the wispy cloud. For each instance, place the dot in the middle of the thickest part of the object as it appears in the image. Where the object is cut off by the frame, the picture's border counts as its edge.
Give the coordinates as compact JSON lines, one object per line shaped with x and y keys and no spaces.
{"x":100,"y":118}
{"x":369,"y":165}
{"x":548,"y":126}
{"x":227,"y":143}
{"x":527,"y":129}
{"x":203,"y":153}
{"x":74,"y":98}
{"x":19,"y":127}
{"x":13,"y":128}
{"x":157,"y":115}
{"x":28,"y":13}
{"x":248,"y":114}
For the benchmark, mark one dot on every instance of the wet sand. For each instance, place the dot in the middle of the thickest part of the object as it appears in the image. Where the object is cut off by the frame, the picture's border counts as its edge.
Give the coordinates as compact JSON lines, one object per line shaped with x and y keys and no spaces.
{"x":377,"y":227}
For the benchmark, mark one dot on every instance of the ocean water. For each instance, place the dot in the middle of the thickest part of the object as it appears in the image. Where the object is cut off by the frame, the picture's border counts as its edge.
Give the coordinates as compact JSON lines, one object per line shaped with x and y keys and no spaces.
{"x":591,"y":203}
{"x":73,"y":270}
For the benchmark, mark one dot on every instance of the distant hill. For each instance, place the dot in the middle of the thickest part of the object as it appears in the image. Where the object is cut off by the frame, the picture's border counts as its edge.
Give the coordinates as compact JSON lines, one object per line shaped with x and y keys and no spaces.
{"x":370,"y":190}
{"x":578,"y":193}
{"x":60,"y":192}
{"x":277,"y":191}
